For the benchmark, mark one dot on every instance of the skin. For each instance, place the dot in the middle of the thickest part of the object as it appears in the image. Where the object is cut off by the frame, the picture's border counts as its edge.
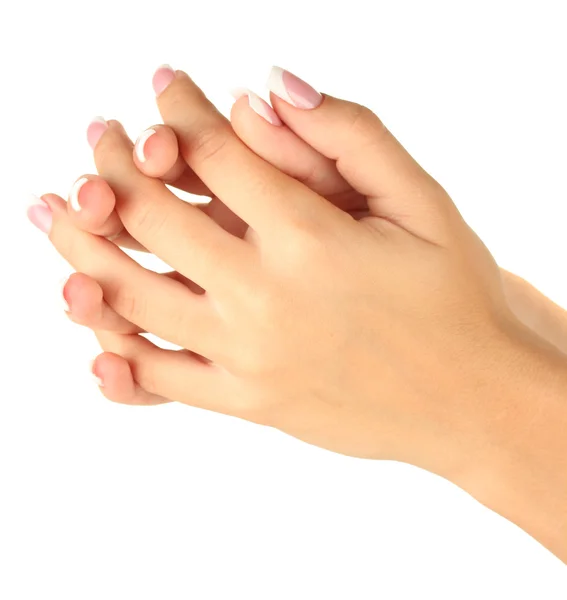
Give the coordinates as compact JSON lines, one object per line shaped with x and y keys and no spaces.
{"x":408,"y":292}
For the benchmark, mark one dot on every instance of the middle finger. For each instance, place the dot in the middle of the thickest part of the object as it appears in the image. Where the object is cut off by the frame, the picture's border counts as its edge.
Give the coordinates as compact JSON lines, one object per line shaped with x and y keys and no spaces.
{"x":175,"y":231}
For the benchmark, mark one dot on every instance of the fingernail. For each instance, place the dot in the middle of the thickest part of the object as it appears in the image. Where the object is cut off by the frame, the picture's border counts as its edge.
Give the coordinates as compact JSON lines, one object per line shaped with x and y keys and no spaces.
{"x":162,"y":78}
{"x":95,"y":130}
{"x":141,"y":142}
{"x":293,"y":90}
{"x":258,"y":105}
{"x":96,"y":377}
{"x":74,"y":193}
{"x":64,"y":300}
{"x":40,"y":214}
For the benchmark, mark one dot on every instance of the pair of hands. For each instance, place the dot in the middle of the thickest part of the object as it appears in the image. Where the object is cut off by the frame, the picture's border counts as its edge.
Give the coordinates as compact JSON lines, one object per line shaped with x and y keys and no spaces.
{"x":330,"y":289}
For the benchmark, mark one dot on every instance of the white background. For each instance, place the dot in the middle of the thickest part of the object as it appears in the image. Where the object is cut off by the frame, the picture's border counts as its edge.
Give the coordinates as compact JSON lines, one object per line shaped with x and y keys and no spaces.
{"x":99,"y":500}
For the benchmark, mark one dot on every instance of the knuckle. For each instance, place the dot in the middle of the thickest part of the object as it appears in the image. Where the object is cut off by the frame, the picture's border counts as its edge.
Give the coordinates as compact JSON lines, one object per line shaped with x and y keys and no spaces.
{"x":147,"y":220}
{"x":306,"y":246}
{"x":360,"y":119}
{"x":131,"y":306}
{"x":207,"y":143}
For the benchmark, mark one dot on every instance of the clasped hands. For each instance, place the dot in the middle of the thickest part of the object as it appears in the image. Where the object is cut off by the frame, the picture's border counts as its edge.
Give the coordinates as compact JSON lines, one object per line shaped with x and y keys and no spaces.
{"x":330,"y":289}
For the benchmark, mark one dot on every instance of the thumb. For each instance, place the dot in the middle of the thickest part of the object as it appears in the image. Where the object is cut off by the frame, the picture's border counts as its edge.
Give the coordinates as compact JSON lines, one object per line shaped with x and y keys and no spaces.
{"x":367,"y":155}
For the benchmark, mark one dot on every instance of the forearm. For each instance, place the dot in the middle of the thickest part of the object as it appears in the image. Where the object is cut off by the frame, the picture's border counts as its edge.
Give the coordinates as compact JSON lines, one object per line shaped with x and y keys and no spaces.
{"x":522,"y":474}
{"x":535,"y":310}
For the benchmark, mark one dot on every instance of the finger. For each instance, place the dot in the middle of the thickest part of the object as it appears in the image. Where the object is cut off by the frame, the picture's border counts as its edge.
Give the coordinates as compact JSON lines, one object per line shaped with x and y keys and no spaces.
{"x":114,"y":378}
{"x":173,"y":374}
{"x":282,"y":148}
{"x":149,"y":300}
{"x":257,"y":192}
{"x":175,"y":231}
{"x":156,"y":154}
{"x":91,"y":208}
{"x":85,"y":305}
{"x":367,"y":155}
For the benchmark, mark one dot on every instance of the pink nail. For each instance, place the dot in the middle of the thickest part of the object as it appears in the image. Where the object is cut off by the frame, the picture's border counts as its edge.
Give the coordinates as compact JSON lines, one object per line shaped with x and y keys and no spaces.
{"x":293,"y":90}
{"x":95,"y":130}
{"x":162,"y":78}
{"x":258,"y":105}
{"x":40,"y":214}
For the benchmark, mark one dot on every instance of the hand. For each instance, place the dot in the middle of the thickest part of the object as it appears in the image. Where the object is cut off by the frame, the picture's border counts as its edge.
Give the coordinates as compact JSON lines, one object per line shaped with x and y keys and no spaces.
{"x":156,"y":154}
{"x":375,"y":338}
{"x":281,"y":270}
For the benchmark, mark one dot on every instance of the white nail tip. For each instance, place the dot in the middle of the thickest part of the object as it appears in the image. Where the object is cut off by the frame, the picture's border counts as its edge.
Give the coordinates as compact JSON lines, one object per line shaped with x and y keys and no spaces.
{"x":74,"y":193}
{"x":62,"y":283}
{"x":100,"y":120}
{"x":141,"y":142}
{"x":96,"y":379}
{"x":165,"y":66}
{"x":276,"y":85}
{"x":255,"y":102}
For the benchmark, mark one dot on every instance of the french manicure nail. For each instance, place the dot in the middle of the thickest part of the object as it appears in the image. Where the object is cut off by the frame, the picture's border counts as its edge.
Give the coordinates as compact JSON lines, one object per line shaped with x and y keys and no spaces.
{"x":95,"y":130}
{"x":92,"y":368}
{"x":141,"y":143}
{"x":163,"y":76}
{"x":74,"y":194}
{"x":64,"y":300}
{"x":258,"y":105}
{"x":40,"y":214}
{"x":293,"y":90}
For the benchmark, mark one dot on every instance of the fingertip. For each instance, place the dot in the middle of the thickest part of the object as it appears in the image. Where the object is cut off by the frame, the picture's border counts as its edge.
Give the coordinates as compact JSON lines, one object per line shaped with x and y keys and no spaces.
{"x":156,"y":151}
{"x":91,"y":200}
{"x":140,"y":145}
{"x":83,"y":296}
{"x":95,"y":370}
{"x":74,"y":204}
{"x":91,"y":206}
{"x":113,"y":376}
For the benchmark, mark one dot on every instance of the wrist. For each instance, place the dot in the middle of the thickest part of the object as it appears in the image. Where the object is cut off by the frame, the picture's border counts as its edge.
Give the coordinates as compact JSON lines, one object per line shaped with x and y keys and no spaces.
{"x":519,"y":468}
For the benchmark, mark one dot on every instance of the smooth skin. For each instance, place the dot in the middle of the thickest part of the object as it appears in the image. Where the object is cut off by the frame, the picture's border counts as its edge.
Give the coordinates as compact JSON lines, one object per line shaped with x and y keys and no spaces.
{"x":374,"y":337}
